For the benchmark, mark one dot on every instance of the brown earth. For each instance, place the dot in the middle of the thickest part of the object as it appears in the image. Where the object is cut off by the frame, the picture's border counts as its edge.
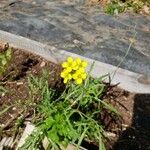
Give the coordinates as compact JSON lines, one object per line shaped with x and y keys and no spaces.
{"x":15,"y":81}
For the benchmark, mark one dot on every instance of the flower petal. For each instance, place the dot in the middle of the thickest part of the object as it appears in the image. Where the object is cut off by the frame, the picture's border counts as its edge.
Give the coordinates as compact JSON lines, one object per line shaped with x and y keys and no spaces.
{"x":68,"y":69}
{"x":74,"y":76}
{"x":69,"y":76}
{"x":84,"y":64}
{"x":70,"y":59}
{"x":65,"y":80}
{"x":75,"y":68}
{"x":78,"y":81}
{"x":84,"y":76}
{"x":63,"y":74}
{"x":64,"y":64}
{"x":78,"y":60}
{"x":74,"y":64}
{"x":81,"y":70}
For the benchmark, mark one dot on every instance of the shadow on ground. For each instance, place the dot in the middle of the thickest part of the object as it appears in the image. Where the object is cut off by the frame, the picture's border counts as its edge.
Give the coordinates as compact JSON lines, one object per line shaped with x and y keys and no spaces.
{"x":137,"y":136}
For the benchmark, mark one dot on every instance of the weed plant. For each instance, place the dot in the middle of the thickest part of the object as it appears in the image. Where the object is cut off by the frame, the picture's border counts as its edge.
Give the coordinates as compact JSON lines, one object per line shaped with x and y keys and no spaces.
{"x":71,"y":117}
{"x":119,"y":6}
{"x":5,"y":58}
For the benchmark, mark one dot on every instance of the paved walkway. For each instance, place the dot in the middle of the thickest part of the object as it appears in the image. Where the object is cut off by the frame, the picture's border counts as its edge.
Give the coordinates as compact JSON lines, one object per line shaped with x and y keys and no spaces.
{"x":80,"y":29}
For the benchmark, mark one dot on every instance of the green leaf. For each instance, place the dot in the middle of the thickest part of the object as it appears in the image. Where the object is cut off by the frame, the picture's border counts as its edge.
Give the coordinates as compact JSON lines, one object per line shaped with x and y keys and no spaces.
{"x":109,"y":107}
{"x":82,"y":137}
{"x":4,"y":61}
{"x":101,"y":144}
{"x":5,"y":110}
{"x":9,"y":53}
{"x":52,"y":134}
{"x":49,"y":122}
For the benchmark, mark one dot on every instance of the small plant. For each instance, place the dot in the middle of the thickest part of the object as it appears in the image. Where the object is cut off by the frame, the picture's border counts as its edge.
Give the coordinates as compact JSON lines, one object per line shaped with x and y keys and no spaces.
{"x":119,"y":6}
{"x":72,"y":116}
{"x":5,"y":58}
{"x":37,"y":87}
{"x":114,"y":7}
{"x":134,"y":5}
{"x":36,"y":84}
{"x":3,"y":90}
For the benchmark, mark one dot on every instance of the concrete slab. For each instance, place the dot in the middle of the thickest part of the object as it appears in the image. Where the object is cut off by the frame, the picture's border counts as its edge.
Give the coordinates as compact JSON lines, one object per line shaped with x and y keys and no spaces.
{"x":83,"y":30}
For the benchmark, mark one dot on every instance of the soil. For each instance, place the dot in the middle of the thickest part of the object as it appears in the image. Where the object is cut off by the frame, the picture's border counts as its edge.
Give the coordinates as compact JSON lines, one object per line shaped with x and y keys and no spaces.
{"x":129,"y":131}
{"x":15,"y":81}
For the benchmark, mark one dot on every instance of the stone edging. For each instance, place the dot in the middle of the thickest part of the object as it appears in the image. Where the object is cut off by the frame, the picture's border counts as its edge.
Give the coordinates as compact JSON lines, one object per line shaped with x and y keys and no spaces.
{"x":128,"y":80}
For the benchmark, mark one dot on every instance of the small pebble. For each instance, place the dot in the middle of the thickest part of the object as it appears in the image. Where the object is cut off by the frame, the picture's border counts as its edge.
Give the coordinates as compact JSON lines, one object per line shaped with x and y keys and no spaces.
{"x":110,"y":134}
{"x":133,"y":137}
{"x":19,"y":83}
{"x":14,"y":108}
{"x":3,"y":94}
{"x":42,"y":64}
{"x":11,"y":115}
{"x":33,"y":3}
{"x":2,"y":125}
{"x":123,"y":129}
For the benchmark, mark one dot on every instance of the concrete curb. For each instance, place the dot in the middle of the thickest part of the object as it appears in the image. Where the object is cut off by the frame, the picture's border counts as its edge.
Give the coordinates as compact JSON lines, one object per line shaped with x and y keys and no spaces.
{"x":128,"y":80}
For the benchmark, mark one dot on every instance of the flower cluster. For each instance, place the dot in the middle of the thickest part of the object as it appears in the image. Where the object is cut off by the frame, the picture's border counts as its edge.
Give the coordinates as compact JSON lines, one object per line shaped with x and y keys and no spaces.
{"x":74,"y":69}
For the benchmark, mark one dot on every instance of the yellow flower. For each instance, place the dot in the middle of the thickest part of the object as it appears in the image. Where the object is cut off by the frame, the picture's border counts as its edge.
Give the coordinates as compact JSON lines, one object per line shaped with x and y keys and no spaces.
{"x":84,"y":64}
{"x":79,"y":76}
{"x":69,"y":64}
{"x":74,"y":69}
{"x":66,"y":75}
{"x":78,"y":60}
{"x":80,"y":64}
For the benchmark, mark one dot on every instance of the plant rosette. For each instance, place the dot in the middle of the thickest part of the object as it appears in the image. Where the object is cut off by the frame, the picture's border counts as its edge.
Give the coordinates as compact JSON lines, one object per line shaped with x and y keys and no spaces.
{"x":70,"y":116}
{"x":5,"y":58}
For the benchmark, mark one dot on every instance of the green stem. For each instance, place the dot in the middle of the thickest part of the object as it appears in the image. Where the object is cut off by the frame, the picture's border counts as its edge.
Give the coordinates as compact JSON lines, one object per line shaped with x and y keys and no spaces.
{"x":81,"y":138}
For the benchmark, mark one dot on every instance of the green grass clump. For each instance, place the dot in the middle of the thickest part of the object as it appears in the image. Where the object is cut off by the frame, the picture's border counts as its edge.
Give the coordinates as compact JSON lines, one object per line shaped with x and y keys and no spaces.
{"x":69,"y":117}
{"x":5,"y":58}
{"x":119,"y":6}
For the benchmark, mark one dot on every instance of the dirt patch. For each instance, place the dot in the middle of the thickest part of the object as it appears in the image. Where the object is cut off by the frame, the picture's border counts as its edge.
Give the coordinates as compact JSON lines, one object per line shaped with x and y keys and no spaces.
{"x":15,"y":82}
{"x":129,"y":131}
